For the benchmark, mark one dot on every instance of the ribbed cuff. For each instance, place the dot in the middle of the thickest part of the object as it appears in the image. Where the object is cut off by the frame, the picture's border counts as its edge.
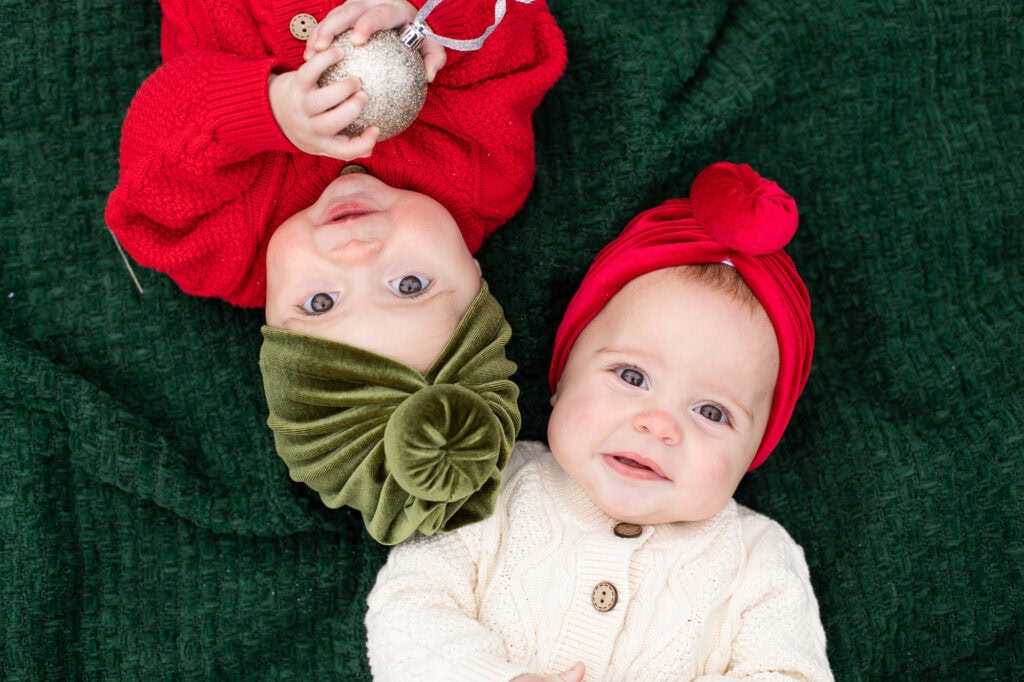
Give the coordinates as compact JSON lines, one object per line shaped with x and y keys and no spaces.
{"x":240,"y":106}
{"x":485,"y":668}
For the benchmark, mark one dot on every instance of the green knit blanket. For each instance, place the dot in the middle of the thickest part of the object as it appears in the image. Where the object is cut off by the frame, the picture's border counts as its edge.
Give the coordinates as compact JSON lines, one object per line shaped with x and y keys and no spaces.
{"x":149,"y":531}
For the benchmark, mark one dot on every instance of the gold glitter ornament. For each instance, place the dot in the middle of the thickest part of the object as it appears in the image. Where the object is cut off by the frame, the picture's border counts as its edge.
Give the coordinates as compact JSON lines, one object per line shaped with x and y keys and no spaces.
{"x":393,"y":78}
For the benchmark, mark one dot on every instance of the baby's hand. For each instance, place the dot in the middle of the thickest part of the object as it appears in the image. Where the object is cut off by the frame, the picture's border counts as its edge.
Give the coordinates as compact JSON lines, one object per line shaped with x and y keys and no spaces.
{"x":573,"y":674}
{"x":366,"y":17}
{"x":311,"y":117}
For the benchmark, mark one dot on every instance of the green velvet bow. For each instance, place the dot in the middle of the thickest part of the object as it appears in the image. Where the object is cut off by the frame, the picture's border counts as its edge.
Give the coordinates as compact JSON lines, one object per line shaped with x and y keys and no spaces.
{"x":412,"y":452}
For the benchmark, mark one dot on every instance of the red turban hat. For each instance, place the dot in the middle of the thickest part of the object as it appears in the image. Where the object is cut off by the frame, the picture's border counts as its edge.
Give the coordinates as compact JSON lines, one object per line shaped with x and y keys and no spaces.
{"x":735,"y":216}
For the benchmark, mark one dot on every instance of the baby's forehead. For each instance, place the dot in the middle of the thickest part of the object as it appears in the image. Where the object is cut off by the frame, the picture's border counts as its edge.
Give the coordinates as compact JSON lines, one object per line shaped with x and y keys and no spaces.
{"x":671,"y":308}
{"x":674,"y":288}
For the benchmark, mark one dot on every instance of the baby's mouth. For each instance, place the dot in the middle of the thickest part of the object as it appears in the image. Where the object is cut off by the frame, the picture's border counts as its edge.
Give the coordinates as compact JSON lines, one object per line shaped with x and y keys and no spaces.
{"x":345,"y":211}
{"x":636,"y":466}
{"x":632,"y":463}
{"x":345,"y":216}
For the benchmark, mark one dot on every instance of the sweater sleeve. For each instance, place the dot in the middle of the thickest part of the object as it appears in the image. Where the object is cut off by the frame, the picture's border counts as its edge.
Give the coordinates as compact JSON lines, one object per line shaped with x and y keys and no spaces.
{"x":421,"y":620}
{"x":475,"y":133}
{"x":773,"y":630}
{"x":198,"y":142}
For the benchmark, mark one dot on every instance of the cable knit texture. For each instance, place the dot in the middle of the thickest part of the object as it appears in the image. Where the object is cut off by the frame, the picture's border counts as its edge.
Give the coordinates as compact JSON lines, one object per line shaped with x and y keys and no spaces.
{"x":207,"y":175}
{"x":730,"y":596}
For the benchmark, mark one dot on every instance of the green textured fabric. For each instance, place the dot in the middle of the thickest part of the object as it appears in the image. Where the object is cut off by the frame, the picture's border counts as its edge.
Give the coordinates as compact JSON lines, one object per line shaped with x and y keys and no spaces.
{"x":149,"y":531}
{"x":412,"y":452}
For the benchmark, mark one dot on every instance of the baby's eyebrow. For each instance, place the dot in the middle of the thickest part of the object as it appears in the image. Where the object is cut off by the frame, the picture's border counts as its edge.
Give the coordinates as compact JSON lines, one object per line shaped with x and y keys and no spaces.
{"x":610,"y":349}
{"x":622,"y":350}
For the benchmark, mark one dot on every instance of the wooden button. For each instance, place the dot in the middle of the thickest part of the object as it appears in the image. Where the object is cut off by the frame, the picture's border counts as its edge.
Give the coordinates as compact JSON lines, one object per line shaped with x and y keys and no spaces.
{"x":352,"y":168}
{"x":302,"y":25}
{"x":604,"y":596}
{"x":627,"y":530}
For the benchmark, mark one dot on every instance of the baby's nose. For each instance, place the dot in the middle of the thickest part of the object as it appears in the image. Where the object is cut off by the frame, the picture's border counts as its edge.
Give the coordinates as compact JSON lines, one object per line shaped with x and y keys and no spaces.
{"x":356,"y":251}
{"x":659,"y":424}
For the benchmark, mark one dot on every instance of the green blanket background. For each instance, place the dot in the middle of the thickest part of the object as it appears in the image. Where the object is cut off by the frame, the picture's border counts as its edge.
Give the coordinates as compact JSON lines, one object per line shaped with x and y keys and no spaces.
{"x":148,"y":530}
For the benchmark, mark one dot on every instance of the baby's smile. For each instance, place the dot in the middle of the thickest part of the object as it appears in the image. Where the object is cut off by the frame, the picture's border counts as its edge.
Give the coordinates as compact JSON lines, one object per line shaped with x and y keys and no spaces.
{"x":632,"y":465}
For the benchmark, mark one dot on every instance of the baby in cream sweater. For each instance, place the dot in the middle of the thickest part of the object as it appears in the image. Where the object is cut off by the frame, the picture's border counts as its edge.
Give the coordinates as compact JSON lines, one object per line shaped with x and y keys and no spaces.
{"x":619,"y":554}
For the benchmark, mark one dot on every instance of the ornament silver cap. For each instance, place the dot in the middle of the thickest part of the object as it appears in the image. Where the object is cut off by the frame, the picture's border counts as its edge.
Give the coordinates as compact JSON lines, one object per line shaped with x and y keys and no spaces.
{"x":413,"y":35}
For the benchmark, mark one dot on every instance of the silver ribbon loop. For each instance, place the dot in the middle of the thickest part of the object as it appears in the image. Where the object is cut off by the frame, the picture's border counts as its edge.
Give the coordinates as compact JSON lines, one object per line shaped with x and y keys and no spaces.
{"x":418,"y":30}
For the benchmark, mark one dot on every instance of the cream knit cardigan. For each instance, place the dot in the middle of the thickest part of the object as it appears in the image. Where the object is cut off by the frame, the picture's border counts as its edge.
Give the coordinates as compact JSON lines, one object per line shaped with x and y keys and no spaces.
{"x":727,"y":597}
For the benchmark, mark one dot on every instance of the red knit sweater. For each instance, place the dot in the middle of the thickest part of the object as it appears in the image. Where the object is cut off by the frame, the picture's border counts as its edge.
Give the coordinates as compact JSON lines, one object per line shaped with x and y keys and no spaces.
{"x":207,"y":174}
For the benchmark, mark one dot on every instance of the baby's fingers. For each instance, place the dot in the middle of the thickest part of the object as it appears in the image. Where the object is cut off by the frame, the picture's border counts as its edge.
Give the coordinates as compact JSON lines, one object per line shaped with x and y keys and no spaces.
{"x":337,"y":21}
{"x":348,"y":148}
{"x":380,"y":18}
{"x":341,"y":116}
{"x":334,"y":94}
{"x":573,"y":674}
{"x":309,"y":73}
{"x":434,"y":57}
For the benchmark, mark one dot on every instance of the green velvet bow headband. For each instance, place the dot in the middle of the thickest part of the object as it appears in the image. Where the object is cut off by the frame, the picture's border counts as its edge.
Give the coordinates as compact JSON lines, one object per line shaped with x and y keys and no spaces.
{"x":411,"y":452}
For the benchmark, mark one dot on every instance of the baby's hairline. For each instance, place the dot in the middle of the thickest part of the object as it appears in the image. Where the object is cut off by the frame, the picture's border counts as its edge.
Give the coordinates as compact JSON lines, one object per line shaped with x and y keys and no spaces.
{"x":721,"y":277}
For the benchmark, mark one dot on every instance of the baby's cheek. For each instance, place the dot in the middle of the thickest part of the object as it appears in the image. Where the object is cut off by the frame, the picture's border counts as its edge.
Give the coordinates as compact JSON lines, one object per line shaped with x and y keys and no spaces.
{"x":568,"y":427}
{"x":558,"y":426}
{"x":719,"y":481}
{"x":573,"y":414}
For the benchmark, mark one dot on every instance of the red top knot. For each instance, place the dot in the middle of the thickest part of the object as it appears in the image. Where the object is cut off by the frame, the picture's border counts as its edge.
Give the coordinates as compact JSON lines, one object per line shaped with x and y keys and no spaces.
{"x":741,"y":210}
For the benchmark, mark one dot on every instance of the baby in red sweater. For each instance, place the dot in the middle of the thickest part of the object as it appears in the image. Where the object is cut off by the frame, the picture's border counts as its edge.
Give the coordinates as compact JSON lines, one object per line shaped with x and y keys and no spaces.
{"x":230,"y":137}
{"x":235,"y":182}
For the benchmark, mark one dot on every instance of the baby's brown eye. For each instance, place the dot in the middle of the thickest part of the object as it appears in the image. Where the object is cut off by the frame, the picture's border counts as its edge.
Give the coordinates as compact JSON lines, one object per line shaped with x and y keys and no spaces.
{"x":410,"y":285}
{"x":320,"y":303}
{"x":712,"y":413}
{"x":633,"y":377}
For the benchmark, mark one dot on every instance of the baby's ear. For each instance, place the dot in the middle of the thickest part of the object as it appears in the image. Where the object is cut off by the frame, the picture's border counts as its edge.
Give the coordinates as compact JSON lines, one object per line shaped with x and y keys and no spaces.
{"x":554,"y":398}
{"x":478,"y":270}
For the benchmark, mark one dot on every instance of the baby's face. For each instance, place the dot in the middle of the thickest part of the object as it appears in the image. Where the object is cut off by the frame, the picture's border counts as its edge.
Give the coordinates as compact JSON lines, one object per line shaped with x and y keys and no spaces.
{"x":664,"y":399}
{"x":372,"y":266}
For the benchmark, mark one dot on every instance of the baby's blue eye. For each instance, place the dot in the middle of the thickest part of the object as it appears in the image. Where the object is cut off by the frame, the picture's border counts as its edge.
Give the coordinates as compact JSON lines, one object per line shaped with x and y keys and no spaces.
{"x":319,"y":303}
{"x":713,"y":413}
{"x":632,"y":376}
{"x":410,"y":285}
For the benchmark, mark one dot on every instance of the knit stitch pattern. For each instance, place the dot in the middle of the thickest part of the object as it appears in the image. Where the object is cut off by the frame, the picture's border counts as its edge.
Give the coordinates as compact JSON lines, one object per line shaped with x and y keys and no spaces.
{"x":149,"y":531}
